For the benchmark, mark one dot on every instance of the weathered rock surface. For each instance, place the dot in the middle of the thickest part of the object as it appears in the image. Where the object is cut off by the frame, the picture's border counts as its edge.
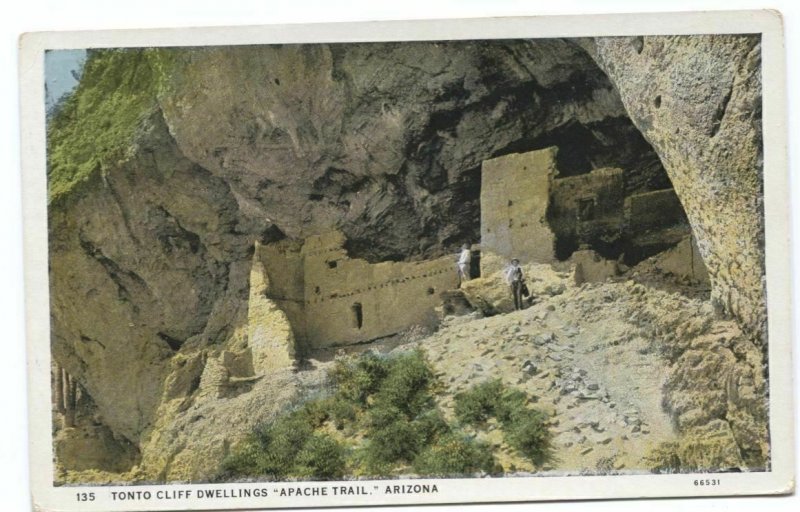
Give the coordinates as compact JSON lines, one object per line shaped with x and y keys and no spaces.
{"x":697,"y":100}
{"x":94,"y":446}
{"x":491,"y":294}
{"x":143,"y":263}
{"x":385,"y":141}
{"x":692,"y":384}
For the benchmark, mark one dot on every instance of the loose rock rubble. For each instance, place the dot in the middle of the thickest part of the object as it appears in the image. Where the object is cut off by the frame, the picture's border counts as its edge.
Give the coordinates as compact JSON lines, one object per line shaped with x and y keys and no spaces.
{"x":623,"y":370}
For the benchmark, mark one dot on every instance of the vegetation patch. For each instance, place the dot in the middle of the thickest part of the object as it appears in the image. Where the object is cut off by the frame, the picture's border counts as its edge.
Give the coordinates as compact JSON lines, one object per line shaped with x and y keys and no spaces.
{"x":524,"y":429}
{"x":380,"y":419}
{"x":95,"y":126}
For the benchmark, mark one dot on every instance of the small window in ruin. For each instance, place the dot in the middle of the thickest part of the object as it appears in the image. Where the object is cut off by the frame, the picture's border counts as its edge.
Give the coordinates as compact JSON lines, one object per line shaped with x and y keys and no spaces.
{"x":431,"y":291}
{"x":358,"y":315}
{"x":586,"y":208}
{"x":510,"y":202}
{"x":316,"y":289}
{"x":332,"y":264}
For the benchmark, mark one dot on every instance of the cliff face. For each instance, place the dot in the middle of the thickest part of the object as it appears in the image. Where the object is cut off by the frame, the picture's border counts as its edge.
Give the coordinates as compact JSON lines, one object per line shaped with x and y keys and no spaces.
{"x":697,"y":100}
{"x":385,"y":141}
{"x":151,"y":248}
{"x":143,"y":263}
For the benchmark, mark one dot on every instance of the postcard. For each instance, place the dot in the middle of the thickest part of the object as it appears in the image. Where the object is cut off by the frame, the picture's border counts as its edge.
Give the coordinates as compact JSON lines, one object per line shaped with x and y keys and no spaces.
{"x":412,"y":262}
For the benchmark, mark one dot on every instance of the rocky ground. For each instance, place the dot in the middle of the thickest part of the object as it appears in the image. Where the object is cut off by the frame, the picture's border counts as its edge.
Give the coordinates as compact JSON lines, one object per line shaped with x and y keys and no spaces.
{"x":629,"y":374}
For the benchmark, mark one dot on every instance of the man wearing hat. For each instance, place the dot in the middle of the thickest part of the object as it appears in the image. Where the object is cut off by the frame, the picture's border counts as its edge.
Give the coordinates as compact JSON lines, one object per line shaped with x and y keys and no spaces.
{"x":516,"y":281}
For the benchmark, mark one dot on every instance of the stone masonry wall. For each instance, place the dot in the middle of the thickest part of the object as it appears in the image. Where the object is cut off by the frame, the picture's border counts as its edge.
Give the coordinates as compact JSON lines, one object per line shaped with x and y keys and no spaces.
{"x":325,"y":298}
{"x":514,"y":199}
{"x":283,"y":264}
{"x":655,"y":209}
{"x":351,"y":300}
{"x":269,"y":331}
{"x":587,"y":207}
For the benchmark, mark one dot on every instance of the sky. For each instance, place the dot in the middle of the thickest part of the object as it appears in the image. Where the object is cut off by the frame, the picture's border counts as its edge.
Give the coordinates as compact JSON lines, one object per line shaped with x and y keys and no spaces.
{"x":61,"y":72}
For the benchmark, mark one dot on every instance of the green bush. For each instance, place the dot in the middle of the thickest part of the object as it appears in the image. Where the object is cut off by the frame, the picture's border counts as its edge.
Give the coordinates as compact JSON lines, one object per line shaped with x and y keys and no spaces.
{"x":317,"y":412}
{"x":320,"y":457}
{"x":388,"y":404}
{"x":408,"y":385}
{"x":510,"y":401}
{"x":391,"y":437}
{"x":430,"y":426}
{"x":356,"y":381}
{"x":274,"y":450}
{"x":478,"y":404}
{"x":243,"y":460}
{"x":526,"y":431}
{"x":454,"y":455}
{"x":341,"y":412}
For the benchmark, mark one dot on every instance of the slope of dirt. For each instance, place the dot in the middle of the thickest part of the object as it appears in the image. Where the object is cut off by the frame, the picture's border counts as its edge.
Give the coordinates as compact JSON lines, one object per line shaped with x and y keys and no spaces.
{"x":627,"y":373}
{"x":575,"y":354}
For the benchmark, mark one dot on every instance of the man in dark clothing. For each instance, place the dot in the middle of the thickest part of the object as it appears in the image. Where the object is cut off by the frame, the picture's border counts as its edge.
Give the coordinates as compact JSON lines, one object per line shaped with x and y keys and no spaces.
{"x":516,"y":281}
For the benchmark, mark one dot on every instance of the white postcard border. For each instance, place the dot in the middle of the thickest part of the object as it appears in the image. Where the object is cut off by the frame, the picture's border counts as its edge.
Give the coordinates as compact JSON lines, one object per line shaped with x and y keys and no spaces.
{"x":777,"y":222}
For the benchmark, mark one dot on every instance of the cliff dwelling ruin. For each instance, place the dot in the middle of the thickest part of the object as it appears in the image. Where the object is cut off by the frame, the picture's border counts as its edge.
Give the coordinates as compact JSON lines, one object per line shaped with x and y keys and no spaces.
{"x":274,"y":201}
{"x":310,"y":295}
{"x":329,"y":299}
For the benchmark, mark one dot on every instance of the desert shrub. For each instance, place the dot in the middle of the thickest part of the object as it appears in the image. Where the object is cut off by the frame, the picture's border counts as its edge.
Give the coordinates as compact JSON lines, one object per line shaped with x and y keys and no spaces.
{"x":408,"y":384}
{"x":488,"y":399}
{"x":388,"y":404}
{"x":287,"y":447}
{"x":355,"y":381}
{"x":453,"y":455}
{"x":317,"y":412}
{"x":391,"y":437}
{"x":341,"y":412}
{"x":476,"y":405}
{"x":430,"y":425}
{"x":526,"y":431}
{"x":320,"y":457}
{"x":243,"y":460}
{"x":281,"y":441}
{"x":510,"y":401}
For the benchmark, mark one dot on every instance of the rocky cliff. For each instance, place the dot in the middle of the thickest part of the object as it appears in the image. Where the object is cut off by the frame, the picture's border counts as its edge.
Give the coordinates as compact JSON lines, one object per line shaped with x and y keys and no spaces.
{"x":697,"y":100}
{"x":166,"y":166}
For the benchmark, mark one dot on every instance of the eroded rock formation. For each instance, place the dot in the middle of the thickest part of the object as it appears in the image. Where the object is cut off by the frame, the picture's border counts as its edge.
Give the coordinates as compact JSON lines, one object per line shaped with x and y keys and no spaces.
{"x":697,"y":100}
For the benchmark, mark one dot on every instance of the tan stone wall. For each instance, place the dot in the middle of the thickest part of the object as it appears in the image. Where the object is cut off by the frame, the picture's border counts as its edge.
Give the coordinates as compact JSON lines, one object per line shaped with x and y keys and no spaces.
{"x":283,"y":264}
{"x":656,"y":209}
{"x":514,"y":198}
{"x":312,"y":295}
{"x":269,"y":331}
{"x":603,"y":189}
{"x":683,"y":261}
{"x":392,"y":295}
{"x":590,"y":267}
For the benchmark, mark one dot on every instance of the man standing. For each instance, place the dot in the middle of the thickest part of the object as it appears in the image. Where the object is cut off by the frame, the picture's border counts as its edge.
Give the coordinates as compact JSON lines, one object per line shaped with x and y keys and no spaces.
{"x":464,"y":260}
{"x":516,"y":281}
